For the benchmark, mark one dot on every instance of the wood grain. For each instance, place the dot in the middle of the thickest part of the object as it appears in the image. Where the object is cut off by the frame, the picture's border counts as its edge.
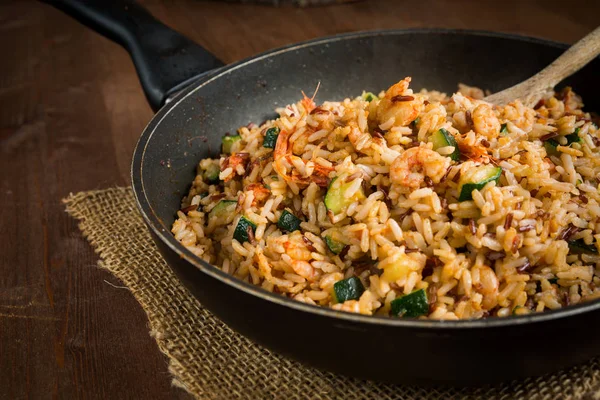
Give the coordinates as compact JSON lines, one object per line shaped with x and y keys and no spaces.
{"x":71,"y":110}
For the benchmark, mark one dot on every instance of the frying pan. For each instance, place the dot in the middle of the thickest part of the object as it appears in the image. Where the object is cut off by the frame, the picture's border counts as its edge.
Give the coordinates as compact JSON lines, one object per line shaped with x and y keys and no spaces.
{"x":201,"y":105}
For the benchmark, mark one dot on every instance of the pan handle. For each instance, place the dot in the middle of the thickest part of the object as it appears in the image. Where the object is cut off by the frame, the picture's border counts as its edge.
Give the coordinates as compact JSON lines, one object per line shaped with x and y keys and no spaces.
{"x":165,"y":60}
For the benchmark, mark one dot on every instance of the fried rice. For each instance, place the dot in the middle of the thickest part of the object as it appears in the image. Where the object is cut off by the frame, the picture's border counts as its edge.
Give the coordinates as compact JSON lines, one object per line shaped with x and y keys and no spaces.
{"x":407,"y":204}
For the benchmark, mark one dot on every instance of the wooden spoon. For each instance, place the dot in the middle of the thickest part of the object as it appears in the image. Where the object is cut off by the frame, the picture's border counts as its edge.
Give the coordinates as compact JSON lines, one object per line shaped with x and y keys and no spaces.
{"x":571,"y":61}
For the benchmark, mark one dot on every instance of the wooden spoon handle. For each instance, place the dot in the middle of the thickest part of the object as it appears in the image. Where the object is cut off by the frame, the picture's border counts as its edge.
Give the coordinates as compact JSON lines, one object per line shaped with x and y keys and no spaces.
{"x":568,"y":63}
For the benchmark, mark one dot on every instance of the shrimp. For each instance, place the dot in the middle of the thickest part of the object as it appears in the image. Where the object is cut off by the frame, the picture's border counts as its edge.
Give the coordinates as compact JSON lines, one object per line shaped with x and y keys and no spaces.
{"x":476,"y":152}
{"x":304,"y":269}
{"x":411,"y":167}
{"x":399,"y":106}
{"x":485,"y":121}
{"x":296,"y":248}
{"x":487,"y":286}
{"x":308,"y":103}
{"x":300,"y":256}
{"x":261,"y":193}
{"x":471,"y":91}
{"x":282,"y":164}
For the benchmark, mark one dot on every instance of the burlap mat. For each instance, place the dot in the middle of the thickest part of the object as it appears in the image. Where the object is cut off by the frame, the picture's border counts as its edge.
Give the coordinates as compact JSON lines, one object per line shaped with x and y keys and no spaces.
{"x":211,"y":361}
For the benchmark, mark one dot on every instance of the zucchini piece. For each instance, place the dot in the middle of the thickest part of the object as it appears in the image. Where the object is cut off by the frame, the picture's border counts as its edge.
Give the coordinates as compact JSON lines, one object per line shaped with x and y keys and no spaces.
{"x":348,"y":289}
{"x":579,"y":246}
{"x":335,"y":200}
{"x":573,"y":137}
{"x":228,"y":141}
{"x":241,"y":230}
{"x":443,"y":138}
{"x":411,"y":305}
{"x":416,"y":121}
{"x":503,"y":129}
{"x":223,"y":209}
{"x":211,"y":173}
{"x":271,"y":137}
{"x":477,"y":178}
{"x":368,"y":96}
{"x":288,"y":222}
{"x":335,"y":247}
{"x":550,"y":146}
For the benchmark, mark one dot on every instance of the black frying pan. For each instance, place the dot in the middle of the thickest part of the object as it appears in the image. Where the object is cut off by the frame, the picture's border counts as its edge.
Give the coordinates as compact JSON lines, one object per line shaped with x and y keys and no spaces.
{"x":190,"y":127}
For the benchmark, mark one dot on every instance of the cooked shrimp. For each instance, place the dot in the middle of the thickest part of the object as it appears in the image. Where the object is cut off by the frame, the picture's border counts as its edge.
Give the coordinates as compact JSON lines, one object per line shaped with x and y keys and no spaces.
{"x":411,"y":167}
{"x":400,"y":106}
{"x":304,"y":269}
{"x":523,"y":117}
{"x":322,"y":171}
{"x":485,"y":121}
{"x":261,"y":193}
{"x":471,"y":91}
{"x":297,"y":250}
{"x":282,"y":164}
{"x":475,"y":152}
{"x":308,"y":103}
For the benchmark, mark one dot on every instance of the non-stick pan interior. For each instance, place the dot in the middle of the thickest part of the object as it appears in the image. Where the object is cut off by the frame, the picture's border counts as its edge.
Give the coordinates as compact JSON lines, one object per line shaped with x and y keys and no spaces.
{"x":345,"y":66}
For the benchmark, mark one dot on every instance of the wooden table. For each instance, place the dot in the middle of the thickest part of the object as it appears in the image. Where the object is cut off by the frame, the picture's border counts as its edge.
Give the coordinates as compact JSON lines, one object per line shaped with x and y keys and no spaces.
{"x":71,"y":110}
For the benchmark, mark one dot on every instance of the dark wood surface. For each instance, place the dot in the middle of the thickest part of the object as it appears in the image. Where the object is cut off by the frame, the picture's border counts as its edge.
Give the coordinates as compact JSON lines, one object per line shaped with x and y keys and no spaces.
{"x":71,"y":110}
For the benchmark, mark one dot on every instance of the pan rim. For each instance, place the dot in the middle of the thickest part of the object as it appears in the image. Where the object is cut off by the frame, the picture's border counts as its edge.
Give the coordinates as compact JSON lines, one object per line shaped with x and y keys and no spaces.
{"x":155,"y":223}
